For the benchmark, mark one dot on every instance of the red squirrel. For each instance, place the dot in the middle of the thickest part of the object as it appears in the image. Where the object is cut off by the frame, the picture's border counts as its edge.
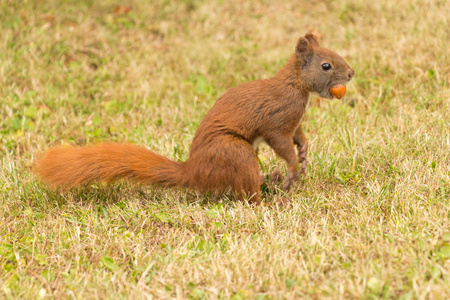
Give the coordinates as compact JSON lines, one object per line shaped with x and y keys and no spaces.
{"x":224,"y":150}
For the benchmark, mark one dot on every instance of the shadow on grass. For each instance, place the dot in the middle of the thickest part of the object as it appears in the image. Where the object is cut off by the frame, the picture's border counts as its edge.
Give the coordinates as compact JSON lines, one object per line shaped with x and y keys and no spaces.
{"x":121,"y":191}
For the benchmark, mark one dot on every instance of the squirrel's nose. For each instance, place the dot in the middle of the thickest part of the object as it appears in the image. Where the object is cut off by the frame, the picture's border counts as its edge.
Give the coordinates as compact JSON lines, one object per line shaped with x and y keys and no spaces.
{"x":350,"y":74}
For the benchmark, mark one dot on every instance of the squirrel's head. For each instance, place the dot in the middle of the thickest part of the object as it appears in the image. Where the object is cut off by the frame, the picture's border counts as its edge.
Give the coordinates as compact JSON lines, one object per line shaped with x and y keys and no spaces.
{"x":322,"y":70}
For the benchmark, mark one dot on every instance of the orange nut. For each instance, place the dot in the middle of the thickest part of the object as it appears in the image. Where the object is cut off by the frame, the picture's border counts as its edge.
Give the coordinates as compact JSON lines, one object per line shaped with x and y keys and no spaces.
{"x":338,"y":91}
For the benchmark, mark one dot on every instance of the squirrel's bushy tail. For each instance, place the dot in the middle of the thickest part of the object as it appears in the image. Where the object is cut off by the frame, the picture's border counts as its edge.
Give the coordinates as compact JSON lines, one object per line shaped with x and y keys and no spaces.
{"x":73,"y":166}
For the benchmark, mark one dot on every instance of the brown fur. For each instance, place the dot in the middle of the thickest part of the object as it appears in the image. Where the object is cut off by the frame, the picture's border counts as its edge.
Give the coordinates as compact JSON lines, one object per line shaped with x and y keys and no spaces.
{"x":222,"y":153}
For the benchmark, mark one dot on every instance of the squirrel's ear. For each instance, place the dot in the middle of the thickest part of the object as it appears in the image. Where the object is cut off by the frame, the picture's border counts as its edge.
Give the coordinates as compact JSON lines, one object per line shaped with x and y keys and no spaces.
{"x":312,"y":39}
{"x":304,"y":51}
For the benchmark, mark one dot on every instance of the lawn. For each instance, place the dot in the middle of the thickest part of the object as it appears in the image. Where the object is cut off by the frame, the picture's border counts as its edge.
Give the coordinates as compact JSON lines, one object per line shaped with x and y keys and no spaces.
{"x":370,"y":219}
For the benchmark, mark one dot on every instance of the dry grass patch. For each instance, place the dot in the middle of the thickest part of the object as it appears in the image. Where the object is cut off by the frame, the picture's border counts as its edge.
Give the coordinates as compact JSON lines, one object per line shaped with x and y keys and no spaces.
{"x":369,"y":220}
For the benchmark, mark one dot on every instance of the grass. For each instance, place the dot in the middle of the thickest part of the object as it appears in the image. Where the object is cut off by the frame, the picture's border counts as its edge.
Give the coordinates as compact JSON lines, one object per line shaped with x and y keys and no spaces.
{"x":371,"y":219}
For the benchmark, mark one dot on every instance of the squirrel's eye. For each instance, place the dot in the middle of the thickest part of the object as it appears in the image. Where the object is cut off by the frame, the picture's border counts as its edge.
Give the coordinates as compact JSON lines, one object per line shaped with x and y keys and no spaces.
{"x":326,"y":66}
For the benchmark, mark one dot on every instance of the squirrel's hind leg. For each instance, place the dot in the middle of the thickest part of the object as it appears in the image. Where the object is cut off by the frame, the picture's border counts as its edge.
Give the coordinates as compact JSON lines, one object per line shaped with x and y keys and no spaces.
{"x":231,"y":162}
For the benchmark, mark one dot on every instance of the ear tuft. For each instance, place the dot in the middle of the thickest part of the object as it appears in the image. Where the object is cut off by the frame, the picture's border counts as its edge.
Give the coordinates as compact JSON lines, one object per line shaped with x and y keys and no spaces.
{"x":302,"y":45}
{"x":312,"y":39}
{"x":304,"y":51}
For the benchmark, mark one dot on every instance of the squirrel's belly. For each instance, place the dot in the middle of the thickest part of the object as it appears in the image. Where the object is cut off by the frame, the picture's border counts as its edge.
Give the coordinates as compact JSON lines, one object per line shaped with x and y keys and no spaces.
{"x":257,"y":141}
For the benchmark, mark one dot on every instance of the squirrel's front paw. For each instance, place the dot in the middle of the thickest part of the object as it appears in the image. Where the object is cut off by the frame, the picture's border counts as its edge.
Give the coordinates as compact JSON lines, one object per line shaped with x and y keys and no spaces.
{"x":302,"y":153}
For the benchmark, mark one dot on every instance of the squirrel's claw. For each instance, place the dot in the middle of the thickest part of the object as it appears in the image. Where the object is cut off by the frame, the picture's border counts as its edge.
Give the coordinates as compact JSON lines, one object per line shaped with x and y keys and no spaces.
{"x":302,"y":154}
{"x":291,"y":177}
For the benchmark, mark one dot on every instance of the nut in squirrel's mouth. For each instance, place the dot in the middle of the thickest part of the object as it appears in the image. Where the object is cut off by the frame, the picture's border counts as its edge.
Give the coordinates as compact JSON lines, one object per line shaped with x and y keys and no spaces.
{"x":338,"y":91}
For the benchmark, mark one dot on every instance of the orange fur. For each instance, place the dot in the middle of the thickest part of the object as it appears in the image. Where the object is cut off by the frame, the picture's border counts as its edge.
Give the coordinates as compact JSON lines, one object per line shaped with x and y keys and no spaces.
{"x":74,"y":166}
